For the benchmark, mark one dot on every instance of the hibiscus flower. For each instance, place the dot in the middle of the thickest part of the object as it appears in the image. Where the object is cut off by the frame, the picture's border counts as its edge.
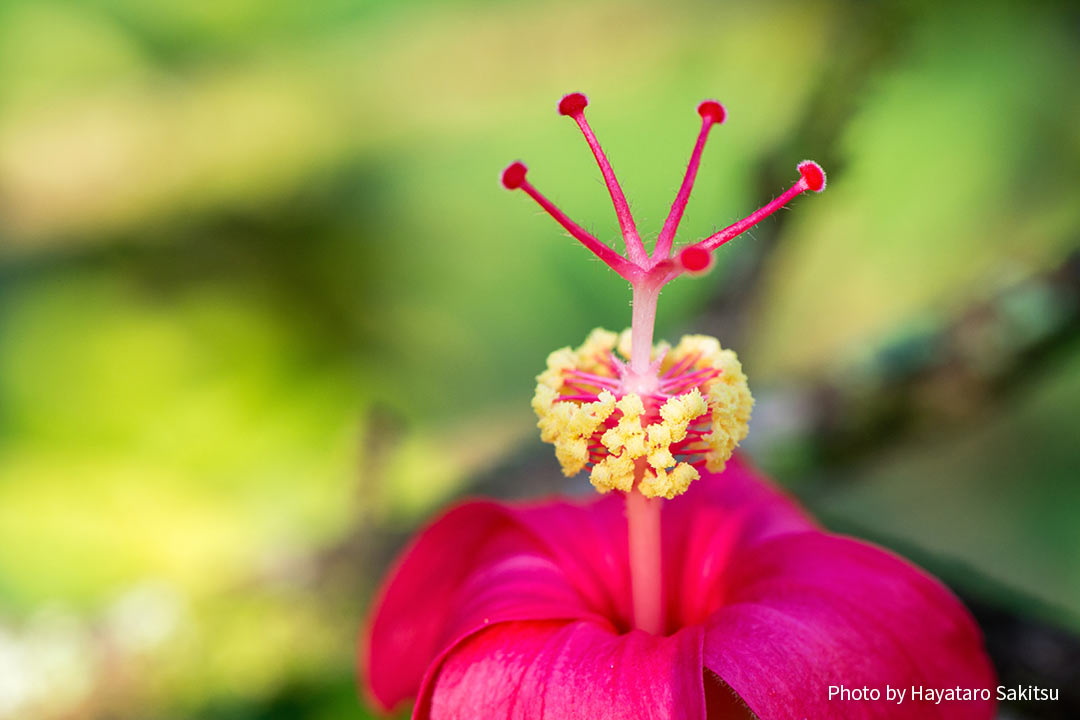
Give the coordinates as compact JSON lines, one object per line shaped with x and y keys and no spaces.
{"x":691,"y":587}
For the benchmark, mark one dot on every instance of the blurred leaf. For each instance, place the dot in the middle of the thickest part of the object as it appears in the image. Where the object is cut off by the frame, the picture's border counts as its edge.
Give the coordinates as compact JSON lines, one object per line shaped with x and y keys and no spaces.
{"x":1000,"y":496}
{"x":953,"y":167}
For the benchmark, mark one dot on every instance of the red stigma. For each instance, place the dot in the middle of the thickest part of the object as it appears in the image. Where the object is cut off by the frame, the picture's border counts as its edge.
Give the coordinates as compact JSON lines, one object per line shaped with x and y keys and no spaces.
{"x":514,"y":175}
{"x":813,"y":175}
{"x":572,"y":104}
{"x":712,"y":110}
{"x":638,"y":266}
{"x":695,"y":259}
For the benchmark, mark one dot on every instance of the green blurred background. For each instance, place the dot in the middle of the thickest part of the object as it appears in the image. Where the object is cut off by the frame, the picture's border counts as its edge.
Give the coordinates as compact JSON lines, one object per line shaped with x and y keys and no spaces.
{"x":264,"y":306}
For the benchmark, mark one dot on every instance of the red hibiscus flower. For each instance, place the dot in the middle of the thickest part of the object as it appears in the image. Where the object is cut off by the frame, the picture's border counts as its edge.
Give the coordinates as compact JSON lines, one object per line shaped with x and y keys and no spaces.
{"x":504,"y":611}
{"x":691,"y":588}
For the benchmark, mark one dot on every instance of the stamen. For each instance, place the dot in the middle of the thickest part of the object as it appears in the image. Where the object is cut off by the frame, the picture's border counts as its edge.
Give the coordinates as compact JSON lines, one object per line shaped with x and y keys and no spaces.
{"x":684,"y":382}
{"x":812,"y":177}
{"x":593,"y":378}
{"x":682,"y":365}
{"x":576,"y":398}
{"x":513,"y":177}
{"x":694,"y":419}
{"x":573,"y":106}
{"x":712,"y":113}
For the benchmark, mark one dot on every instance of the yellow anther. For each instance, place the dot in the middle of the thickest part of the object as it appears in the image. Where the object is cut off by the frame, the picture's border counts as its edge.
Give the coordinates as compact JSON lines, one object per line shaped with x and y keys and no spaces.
{"x":701,"y":345}
{"x":552,"y":423}
{"x":627,"y":437}
{"x":572,"y":454}
{"x":624,"y":343}
{"x":557,"y":362}
{"x":613,"y":473}
{"x":588,"y":417}
{"x":731,"y":403}
{"x":652,"y":454}
{"x":570,"y":426}
{"x":683,"y":409}
{"x":659,"y":435}
{"x":628,"y":432}
{"x":634,"y":443}
{"x":661,"y":458}
{"x":597,"y":346}
{"x":665,"y":484}
{"x":543,"y":400}
{"x":631,"y":406}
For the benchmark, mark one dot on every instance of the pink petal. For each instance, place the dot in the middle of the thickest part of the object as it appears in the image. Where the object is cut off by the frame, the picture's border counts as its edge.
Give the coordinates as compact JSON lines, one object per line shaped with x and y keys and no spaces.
{"x":473,"y":567}
{"x":588,"y":542}
{"x":558,"y":671}
{"x":741,"y":488}
{"x":500,"y":610}
{"x":720,"y":512}
{"x":718,"y":516}
{"x":806,"y":611}
{"x":484,"y":563}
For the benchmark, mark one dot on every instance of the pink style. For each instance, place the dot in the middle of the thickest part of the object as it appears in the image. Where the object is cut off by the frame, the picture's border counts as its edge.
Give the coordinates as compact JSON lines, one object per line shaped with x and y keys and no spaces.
{"x":647,"y":275}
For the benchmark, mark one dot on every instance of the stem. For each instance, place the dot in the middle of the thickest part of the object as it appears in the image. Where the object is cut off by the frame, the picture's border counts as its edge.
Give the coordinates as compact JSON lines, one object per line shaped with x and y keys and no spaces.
{"x":642,"y":513}
{"x":643,"y":527}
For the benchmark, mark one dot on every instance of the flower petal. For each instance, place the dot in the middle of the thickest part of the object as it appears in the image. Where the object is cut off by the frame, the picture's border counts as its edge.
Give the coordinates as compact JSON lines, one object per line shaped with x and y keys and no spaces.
{"x":806,"y":611}
{"x":718,"y":516}
{"x":475,"y":566}
{"x":557,"y":671}
{"x":486,"y":562}
{"x":588,"y":542}
{"x":740,"y":487}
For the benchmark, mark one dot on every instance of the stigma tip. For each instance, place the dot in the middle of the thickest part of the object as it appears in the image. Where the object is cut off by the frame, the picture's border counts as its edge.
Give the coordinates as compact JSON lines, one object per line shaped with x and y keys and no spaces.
{"x":712,"y":110}
{"x":813,"y":175}
{"x":572,"y":104}
{"x":695,"y":259}
{"x":514,"y":175}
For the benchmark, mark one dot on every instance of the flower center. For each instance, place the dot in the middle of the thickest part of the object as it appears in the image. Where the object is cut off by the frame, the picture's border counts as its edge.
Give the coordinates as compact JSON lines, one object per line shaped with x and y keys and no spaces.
{"x":690,"y":414}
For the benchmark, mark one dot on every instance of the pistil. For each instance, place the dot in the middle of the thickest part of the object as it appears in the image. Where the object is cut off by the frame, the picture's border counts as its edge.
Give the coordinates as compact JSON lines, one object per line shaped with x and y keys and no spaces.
{"x":646,"y":579}
{"x":642,"y":513}
{"x":645,"y":428}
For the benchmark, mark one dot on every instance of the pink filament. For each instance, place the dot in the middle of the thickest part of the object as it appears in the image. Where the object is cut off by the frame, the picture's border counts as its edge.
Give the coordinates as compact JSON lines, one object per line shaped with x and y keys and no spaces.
{"x":685,"y":382}
{"x":593,"y":379}
{"x":683,"y":364}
